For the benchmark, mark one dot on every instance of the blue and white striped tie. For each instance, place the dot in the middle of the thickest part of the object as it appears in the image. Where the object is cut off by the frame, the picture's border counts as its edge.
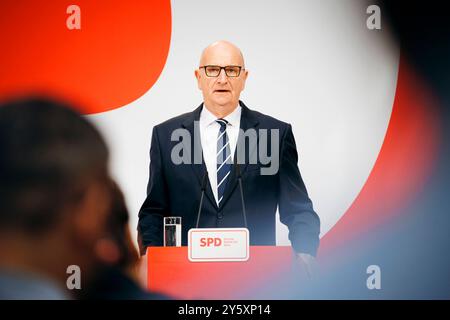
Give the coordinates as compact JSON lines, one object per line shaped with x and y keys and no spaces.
{"x":224,"y":160}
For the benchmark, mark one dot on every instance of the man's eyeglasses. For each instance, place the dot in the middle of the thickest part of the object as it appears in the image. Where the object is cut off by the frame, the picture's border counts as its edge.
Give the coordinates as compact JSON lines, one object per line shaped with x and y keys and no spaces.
{"x":230,"y":71}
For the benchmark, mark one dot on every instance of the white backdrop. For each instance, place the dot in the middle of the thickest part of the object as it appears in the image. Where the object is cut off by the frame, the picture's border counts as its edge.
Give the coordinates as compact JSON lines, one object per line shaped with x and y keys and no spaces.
{"x":311,"y":63}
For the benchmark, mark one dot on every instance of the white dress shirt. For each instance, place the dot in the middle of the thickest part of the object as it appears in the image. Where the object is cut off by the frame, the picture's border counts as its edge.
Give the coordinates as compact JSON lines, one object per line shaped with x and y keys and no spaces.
{"x":209,"y":131}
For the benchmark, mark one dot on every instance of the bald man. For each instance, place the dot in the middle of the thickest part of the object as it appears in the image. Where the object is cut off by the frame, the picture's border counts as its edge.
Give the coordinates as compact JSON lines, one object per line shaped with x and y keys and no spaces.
{"x":227,"y":144}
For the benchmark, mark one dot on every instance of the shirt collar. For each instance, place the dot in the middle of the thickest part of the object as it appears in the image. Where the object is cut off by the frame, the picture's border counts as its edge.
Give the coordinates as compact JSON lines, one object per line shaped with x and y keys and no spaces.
{"x":207,"y":117}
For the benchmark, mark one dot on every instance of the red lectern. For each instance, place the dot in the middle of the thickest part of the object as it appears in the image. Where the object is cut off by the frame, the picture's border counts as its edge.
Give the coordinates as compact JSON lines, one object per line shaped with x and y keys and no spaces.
{"x":170,"y":272}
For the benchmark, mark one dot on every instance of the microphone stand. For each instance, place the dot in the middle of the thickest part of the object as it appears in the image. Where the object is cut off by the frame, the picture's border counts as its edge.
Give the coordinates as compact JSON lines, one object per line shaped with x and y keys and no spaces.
{"x":205,"y":176}
{"x":244,"y":213}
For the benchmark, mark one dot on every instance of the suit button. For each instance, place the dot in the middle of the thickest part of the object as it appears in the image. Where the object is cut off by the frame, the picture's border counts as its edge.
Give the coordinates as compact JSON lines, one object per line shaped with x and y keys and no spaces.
{"x":220,"y":215}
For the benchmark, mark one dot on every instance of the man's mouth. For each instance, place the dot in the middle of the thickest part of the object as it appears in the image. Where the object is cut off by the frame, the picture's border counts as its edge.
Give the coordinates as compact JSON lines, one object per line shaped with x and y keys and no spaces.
{"x":221,"y":91}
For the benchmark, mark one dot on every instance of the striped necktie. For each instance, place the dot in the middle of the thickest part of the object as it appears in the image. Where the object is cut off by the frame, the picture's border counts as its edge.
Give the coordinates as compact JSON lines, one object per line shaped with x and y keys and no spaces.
{"x":223,"y":159}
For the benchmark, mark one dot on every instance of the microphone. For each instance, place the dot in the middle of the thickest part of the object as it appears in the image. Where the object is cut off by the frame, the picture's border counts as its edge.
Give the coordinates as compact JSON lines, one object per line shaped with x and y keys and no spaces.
{"x":204,"y":181}
{"x":244,"y":213}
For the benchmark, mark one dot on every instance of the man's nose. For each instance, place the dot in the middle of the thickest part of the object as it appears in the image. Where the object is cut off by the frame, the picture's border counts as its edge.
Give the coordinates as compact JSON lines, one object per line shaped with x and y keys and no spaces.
{"x":222,"y":78}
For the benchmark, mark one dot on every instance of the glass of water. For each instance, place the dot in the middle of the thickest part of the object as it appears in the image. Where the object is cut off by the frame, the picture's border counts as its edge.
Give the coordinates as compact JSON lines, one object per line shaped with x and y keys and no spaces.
{"x":172,"y":231}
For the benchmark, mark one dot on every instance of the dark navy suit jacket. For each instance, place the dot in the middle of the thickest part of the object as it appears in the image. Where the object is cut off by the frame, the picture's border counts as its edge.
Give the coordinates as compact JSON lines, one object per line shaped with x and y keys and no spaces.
{"x":174,"y":190}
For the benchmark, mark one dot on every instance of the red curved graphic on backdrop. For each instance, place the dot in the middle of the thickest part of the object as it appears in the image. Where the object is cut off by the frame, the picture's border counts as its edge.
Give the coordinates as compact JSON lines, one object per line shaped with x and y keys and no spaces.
{"x":405,"y":161}
{"x":115,"y":58}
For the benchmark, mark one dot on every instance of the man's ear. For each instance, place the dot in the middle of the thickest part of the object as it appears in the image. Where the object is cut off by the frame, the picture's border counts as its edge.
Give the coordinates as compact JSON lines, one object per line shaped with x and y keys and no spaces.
{"x":245,"y":78}
{"x":197,"y":75}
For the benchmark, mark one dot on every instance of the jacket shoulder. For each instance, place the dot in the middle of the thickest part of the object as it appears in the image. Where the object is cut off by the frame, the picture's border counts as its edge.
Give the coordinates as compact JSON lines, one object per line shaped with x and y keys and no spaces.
{"x":269,"y":121}
{"x":175,"y":121}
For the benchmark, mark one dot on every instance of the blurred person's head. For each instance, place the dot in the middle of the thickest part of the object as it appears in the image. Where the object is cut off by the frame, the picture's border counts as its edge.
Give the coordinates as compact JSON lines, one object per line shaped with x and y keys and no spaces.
{"x":118,"y":276}
{"x":423,"y":32}
{"x":116,"y":248}
{"x":54,"y":192}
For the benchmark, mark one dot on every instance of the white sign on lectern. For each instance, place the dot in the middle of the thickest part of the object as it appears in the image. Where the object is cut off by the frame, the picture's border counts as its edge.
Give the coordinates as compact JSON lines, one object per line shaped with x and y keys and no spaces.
{"x":218,"y":244}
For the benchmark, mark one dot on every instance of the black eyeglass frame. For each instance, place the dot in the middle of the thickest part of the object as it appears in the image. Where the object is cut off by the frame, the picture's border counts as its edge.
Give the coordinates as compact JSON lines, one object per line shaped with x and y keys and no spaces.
{"x":224,"y":68}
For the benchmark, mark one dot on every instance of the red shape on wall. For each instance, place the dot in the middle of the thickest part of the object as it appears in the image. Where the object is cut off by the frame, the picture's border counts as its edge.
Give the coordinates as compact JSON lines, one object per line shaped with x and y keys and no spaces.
{"x":405,"y":161}
{"x":116,"y":56}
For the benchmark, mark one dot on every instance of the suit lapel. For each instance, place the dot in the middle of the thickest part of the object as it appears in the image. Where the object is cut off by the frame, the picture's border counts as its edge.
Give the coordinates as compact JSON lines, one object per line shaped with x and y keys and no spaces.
{"x":248,"y":121}
{"x":198,"y":168}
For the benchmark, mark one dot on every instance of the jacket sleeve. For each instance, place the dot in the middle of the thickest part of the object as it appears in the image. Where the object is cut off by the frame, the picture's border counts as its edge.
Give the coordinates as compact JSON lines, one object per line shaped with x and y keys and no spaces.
{"x":295,"y":207}
{"x":155,"y":206}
